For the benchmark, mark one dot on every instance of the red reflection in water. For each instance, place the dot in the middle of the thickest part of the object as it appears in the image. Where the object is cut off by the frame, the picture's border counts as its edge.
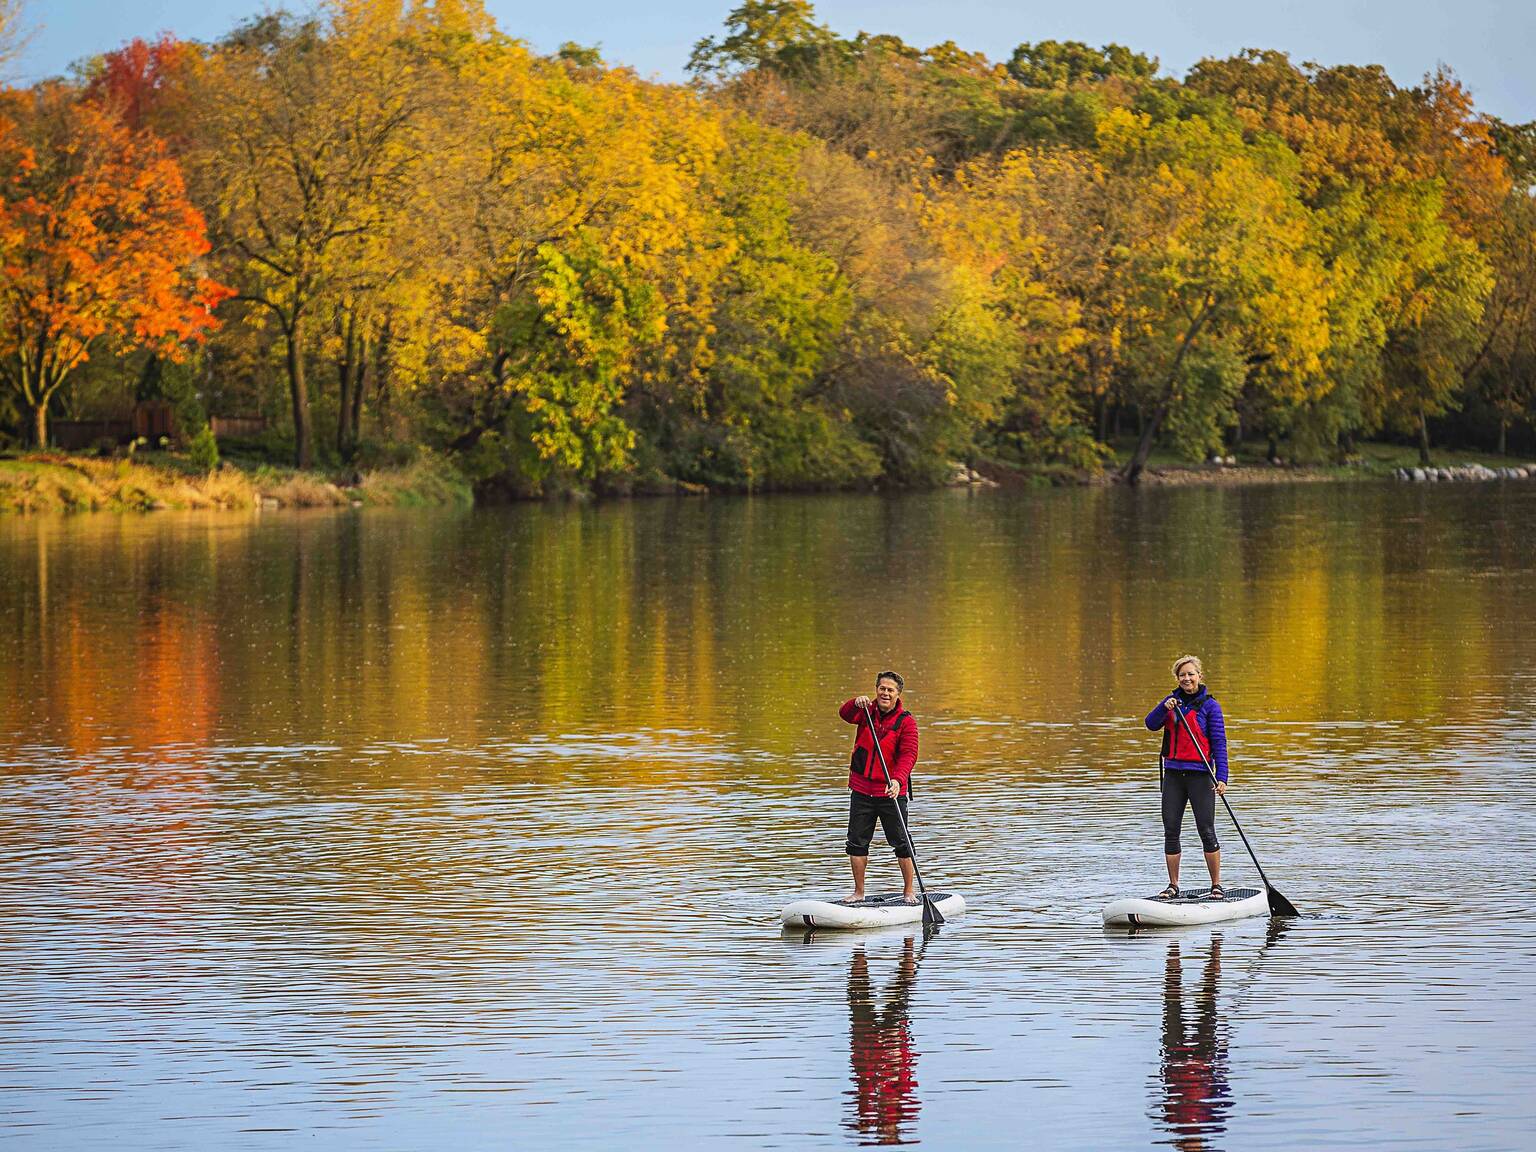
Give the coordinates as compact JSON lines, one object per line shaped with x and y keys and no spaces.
{"x":880,"y":1049}
{"x":136,"y":717}
{"x":1196,"y":1095}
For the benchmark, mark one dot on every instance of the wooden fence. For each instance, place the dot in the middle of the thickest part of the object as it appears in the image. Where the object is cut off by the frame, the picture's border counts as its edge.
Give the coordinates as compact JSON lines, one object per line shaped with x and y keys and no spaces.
{"x":237,"y":427}
{"x":74,"y":435}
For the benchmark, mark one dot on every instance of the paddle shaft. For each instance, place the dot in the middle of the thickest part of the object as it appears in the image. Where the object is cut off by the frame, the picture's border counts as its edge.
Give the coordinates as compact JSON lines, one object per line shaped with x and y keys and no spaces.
{"x":931,"y":913}
{"x":1275,"y":906}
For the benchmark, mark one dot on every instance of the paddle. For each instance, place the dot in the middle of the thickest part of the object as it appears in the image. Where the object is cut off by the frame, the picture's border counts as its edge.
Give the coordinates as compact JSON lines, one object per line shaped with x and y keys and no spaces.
{"x":1278,"y":904}
{"x":931,"y":913}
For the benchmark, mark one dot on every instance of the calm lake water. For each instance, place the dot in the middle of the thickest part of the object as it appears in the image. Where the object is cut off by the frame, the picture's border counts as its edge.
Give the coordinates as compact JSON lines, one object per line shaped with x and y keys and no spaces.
{"x":428,"y":830}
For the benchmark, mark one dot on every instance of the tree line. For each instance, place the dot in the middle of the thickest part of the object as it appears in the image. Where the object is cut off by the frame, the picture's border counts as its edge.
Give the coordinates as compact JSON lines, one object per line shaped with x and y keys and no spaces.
{"x":823,"y":261}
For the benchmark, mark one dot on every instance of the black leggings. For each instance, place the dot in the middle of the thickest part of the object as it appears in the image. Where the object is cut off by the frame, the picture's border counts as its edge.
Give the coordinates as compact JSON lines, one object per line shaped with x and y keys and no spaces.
{"x":1199,"y":792}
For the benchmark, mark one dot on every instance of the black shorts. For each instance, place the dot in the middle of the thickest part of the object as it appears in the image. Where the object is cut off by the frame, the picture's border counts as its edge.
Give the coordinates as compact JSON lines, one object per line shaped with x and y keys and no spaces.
{"x":863,"y":811}
{"x":1196,"y":789}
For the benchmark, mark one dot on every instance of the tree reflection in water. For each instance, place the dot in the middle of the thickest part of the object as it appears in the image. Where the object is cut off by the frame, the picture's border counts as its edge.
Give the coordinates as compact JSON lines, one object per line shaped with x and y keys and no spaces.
{"x":1194,"y":1094}
{"x":885,"y":1102}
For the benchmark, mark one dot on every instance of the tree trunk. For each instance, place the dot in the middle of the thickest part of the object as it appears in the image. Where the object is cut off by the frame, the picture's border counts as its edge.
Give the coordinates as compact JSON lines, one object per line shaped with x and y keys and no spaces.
{"x":359,"y":390}
{"x":36,"y":392}
{"x":1099,"y":382}
{"x":381,"y":370}
{"x":149,"y":379}
{"x":302,"y":440}
{"x":348,"y":368}
{"x":484,"y":421}
{"x":1423,"y":438}
{"x":1138,"y":461}
{"x":1504,"y":410}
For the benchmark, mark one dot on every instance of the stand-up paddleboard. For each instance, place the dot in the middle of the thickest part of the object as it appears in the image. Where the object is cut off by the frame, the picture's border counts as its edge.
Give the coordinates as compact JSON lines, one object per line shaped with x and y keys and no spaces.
{"x":871,"y":912}
{"x":1191,"y":906}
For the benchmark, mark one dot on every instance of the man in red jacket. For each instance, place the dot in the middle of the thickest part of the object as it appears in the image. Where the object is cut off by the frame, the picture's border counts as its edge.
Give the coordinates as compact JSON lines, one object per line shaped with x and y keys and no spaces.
{"x":871,"y":796}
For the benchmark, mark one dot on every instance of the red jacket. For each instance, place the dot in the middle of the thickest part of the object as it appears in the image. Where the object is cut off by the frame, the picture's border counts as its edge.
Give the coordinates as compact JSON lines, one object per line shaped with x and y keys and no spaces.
{"x":898,"y":740}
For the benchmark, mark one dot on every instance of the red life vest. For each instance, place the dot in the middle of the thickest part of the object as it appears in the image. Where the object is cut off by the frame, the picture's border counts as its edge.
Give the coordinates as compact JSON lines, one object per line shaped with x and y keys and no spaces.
{"x":865,"y":763}
{"x":1177,"y":744}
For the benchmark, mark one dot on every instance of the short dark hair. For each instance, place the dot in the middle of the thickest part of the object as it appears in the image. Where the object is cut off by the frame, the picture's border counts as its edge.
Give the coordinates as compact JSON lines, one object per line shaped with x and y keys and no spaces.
{"x":896,"y":676}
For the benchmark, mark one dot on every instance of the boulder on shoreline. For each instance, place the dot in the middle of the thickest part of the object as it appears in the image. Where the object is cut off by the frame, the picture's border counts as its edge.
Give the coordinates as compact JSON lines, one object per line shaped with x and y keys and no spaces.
{"x":963,"y":476}
{"x":1466,"y":472}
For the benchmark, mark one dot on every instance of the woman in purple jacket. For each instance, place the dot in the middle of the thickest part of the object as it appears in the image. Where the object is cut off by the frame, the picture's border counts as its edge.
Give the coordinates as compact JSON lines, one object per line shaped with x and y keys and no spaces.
{"x":1194,"y":733}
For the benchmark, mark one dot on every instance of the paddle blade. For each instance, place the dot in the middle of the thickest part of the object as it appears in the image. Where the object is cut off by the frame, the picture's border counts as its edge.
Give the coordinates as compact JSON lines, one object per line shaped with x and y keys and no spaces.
{"x":1279,"y":905}
{"x":932,"y":915}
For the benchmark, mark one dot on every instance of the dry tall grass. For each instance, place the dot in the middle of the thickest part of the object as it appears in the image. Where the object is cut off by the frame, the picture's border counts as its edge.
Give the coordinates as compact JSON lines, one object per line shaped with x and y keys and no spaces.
{"x":54,"y":482}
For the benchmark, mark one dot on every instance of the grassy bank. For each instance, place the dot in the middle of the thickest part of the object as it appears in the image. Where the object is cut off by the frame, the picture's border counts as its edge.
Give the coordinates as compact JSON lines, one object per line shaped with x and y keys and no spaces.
{"x":55,"y":482}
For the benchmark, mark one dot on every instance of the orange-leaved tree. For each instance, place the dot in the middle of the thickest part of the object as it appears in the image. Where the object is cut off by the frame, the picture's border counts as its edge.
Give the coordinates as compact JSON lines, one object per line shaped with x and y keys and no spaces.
{"x":150,"y":85}
{"x":101,"y":245}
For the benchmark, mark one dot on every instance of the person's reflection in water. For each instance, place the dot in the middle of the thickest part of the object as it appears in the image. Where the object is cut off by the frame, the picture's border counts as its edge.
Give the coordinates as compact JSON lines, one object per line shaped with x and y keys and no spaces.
{"x":880,"y":1045}
{"x":1195,"y":1093}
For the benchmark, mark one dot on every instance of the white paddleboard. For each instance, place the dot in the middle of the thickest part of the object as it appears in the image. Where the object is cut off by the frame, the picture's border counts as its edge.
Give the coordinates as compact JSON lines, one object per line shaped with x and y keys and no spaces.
{"x":872,"y":912}
{"x":1191,"y":906}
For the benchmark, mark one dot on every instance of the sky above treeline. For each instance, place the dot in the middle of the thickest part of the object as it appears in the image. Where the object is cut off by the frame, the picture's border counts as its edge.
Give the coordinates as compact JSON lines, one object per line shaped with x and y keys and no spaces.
{"x":1487,"y":42}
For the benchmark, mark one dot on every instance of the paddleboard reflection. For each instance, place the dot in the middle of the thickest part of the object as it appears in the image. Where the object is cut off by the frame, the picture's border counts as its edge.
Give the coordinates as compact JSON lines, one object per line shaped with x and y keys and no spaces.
{"x":1193,"y":1094}
{"x":884,"y":1097}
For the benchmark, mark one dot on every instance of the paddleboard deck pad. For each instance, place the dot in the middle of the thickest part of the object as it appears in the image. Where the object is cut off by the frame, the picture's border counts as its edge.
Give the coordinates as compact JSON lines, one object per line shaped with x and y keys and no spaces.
{"x":871,"y":912}
{"x":1191,"y":906}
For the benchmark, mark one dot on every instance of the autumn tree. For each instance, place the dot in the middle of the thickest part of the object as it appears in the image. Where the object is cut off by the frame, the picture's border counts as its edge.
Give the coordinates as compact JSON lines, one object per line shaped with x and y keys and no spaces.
{"x":873,"y":97}
{"x":770,"y":34}
{"x":574,"y":213}
{"x":101,"y":246}
{"x":1220,"y":272}
{"x":1405,"y":186}
{"x":1012,"y":226}
{"x":307,"y":151}
{"x":149,"y":85}
{"x":1071,"y":63}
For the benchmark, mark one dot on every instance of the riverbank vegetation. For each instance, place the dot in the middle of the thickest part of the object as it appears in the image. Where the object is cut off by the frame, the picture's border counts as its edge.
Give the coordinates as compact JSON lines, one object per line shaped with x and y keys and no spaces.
{"x":54,"y":482}
{"x":381,"y":232}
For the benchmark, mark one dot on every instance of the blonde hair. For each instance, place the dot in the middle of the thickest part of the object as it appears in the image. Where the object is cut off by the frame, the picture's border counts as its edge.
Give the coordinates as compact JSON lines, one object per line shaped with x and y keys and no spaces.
{"x":1186,"y":659}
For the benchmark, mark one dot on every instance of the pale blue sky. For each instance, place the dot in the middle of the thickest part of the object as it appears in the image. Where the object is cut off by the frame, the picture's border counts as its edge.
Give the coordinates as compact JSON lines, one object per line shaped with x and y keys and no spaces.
{"x":1488,"y":42}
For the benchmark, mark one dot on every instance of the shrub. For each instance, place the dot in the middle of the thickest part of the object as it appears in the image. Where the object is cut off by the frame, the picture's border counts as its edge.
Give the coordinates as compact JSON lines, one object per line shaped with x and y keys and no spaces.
{"x":203,"y":450}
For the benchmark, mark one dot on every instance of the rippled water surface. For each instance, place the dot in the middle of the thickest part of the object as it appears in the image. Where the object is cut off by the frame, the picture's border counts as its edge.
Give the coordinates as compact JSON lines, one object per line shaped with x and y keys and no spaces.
{"x":375,"y":830}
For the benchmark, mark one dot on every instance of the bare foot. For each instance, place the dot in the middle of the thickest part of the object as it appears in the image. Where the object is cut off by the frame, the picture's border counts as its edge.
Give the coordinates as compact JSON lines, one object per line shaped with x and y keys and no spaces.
{"x":856,"y":898}
{"x":908,"y":898}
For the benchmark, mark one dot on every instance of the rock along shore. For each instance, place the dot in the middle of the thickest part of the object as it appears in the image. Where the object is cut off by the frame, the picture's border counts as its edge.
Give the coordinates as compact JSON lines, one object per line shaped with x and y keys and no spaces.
{"x":1466,"y":472}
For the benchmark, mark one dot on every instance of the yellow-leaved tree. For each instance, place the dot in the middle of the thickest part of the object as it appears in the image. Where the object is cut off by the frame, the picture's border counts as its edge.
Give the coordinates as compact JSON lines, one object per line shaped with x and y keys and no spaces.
{"x":308,"y":150}
{"x":1220,"y":268}
{"x":584,"y":251}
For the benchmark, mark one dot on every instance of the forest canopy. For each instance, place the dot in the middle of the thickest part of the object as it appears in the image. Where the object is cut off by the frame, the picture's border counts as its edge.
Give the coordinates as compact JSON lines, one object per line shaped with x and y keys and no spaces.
{"x":381,"y":228}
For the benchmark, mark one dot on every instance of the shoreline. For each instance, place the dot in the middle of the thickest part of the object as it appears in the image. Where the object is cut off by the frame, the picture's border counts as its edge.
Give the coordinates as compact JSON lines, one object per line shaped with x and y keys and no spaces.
{"x":1303,"y":474}
{"x":61,"y":483}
